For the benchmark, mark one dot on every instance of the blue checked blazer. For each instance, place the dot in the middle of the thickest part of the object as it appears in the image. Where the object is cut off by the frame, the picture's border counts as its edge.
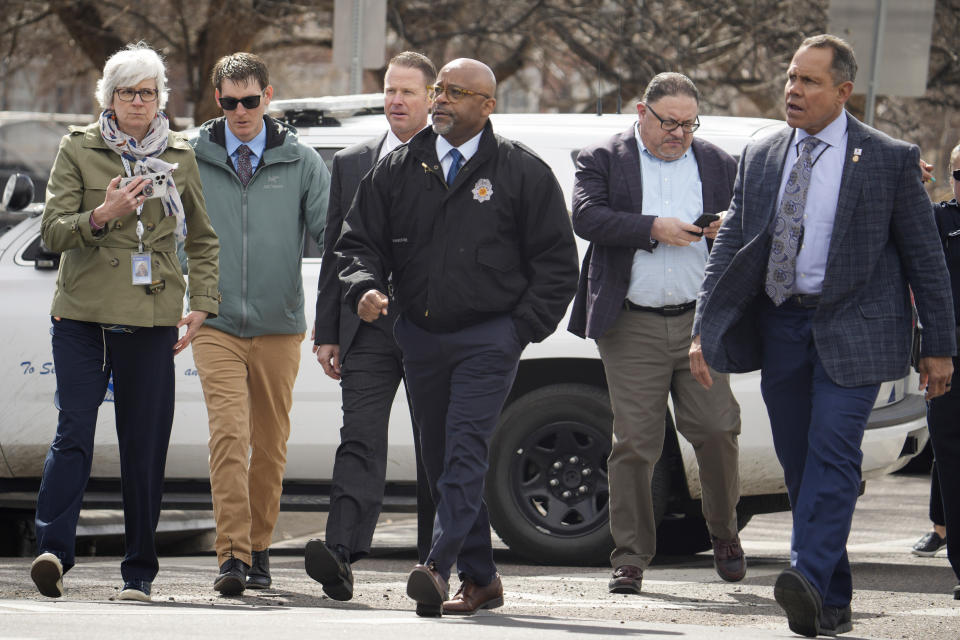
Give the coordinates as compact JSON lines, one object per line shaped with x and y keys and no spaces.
{"x":607,"y":205}
{"x":884,"y":238}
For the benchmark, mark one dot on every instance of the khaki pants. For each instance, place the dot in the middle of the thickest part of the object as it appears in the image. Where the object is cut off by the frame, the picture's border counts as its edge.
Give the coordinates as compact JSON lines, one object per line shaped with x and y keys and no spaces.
{"x":248,"y":387}
{"x":645,"y":358}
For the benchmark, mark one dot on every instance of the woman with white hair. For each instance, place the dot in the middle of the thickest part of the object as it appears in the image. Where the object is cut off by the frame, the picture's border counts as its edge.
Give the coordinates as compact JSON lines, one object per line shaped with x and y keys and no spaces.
{"x":122,"y":193}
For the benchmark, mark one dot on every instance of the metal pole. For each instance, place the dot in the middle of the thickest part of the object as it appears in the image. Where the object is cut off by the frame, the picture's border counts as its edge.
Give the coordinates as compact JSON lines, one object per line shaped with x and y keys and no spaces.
{"x":879,"y":25}
{"x":356,"y":63}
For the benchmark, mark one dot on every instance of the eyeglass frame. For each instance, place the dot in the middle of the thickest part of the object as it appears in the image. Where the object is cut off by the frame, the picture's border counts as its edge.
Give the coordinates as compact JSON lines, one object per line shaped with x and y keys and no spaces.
{"x":688,"y":127}
{"x":436,"y":90}
{"x":137,"y":92}
{"x":257,"y":97}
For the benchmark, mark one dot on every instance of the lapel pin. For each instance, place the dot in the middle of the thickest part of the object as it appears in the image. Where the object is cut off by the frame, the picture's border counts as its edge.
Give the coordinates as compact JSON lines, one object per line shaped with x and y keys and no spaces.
{"x":856,"y":154}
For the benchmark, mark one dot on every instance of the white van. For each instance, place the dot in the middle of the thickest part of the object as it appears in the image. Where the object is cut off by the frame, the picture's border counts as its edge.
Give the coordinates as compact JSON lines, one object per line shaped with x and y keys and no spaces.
{"x":547,"y":486}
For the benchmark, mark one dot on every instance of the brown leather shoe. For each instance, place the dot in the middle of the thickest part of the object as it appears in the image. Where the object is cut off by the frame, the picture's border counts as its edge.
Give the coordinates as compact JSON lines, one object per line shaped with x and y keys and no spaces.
{"x":626,"y":579}
{"x":728,"y":559}
{"x":428,"y":589}
{"x":471,"y":597}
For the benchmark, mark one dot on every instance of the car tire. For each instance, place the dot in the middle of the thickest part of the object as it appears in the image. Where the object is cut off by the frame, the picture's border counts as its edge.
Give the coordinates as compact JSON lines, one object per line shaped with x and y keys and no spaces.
{"x":553,"y":440}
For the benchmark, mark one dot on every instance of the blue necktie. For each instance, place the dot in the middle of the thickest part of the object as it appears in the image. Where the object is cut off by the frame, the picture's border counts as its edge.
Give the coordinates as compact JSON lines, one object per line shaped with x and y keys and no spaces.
{"x":457,"y":162}
{"x":788,"y":229}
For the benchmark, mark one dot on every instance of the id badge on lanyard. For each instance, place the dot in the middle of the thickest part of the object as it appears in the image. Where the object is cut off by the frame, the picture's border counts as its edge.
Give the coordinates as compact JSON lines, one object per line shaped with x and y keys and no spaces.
{"x":140,"y":264}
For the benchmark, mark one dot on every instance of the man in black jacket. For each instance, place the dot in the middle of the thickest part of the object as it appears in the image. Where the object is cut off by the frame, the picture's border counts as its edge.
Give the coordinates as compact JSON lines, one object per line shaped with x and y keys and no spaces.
{"x":475,"y":232}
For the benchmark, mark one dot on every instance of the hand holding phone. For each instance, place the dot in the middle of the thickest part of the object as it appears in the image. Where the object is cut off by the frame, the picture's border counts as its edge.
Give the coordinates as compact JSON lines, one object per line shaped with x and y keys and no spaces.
{"x":706,"y":219}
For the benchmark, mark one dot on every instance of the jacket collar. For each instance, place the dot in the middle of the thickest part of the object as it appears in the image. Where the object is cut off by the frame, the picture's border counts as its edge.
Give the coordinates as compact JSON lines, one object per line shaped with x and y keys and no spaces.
{"x":280,"y":145}
{"x":424,"y":147}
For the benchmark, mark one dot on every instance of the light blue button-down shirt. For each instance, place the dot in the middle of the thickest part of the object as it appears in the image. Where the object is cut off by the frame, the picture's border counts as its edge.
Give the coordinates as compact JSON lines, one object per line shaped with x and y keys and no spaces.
{"x":668,"y":275}
{"x":821,"y":208}
{"x":256,"y":146}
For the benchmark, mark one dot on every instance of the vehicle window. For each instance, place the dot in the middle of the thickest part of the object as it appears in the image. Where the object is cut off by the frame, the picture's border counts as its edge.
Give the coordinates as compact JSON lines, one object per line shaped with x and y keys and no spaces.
{"x":33,"y":250}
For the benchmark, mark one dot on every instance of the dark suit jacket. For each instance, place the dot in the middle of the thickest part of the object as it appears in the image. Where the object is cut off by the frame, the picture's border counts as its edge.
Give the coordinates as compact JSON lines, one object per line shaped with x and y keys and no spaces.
{"x":335,"y":322}
{"x":884,"y":237}
{"x":607,"y":204}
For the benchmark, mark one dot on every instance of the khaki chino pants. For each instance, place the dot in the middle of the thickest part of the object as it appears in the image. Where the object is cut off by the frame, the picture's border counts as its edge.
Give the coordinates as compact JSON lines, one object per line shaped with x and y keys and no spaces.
{"x":248,"y":388}
{"x":645,"y":356}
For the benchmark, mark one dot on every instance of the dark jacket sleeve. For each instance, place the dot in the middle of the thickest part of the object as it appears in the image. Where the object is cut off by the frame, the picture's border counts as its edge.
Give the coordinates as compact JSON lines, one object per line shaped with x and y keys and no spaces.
{"x":363,"y":250}
{"x":594,"y":216}
{"x":327,"y":323}
{"x":550,"y":257}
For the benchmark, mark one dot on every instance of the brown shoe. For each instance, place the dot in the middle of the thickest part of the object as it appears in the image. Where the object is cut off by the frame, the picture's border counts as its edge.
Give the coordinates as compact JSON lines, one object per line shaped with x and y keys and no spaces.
{"x":728,"y":559}
{"x":429,"y":589}
{"x":472,"y":597}
{"x":626,"y":579}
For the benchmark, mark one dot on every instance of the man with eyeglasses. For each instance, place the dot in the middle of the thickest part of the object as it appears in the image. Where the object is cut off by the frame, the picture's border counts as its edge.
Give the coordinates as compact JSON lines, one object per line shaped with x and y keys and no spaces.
{"x":369,"y":378}
{"x":810,"y":282}
{"x":263,"y":188}
{"x":636,"y":198}
{"x":474,"y":229}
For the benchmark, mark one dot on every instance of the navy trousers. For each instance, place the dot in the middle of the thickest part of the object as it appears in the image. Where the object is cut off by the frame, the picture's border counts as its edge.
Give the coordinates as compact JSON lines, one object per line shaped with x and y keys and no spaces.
{"x":371,"y":373}
{"x":458,"y":383}
{"x":84,"y":357}
{"x":943,"y":421}
{"x":817,"y":432}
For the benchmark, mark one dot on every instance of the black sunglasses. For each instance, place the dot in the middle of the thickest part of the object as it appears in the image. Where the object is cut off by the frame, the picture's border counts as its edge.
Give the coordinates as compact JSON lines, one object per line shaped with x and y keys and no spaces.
{"x":248,"y":102}
{"x":956,"y":175}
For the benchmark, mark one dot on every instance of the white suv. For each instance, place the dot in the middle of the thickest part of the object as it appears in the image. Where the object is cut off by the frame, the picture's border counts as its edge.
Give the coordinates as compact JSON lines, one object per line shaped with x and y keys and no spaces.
{"x":547,"y":485}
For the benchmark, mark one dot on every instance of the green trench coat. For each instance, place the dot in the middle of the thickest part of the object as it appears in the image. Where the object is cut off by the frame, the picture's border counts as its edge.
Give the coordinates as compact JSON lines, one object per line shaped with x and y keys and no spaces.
{"x":95,"y":279}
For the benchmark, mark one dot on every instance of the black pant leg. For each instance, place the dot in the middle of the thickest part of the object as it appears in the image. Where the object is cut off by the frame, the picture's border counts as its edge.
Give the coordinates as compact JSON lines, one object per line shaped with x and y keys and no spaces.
{"x":944,"y":423}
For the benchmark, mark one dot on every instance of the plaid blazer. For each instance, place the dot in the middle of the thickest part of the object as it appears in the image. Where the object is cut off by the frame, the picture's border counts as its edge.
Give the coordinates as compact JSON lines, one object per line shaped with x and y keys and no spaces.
{"x":607,"y":205}
{"x":884,"y":239}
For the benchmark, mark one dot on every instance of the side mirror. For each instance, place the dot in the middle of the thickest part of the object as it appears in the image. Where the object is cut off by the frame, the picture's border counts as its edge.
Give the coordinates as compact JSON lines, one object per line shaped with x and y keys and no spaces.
{"x":18,"y":192}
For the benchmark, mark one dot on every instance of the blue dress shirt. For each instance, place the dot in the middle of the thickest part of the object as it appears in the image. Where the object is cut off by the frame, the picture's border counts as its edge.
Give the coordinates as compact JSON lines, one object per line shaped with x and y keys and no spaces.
{"x":256,"y":146}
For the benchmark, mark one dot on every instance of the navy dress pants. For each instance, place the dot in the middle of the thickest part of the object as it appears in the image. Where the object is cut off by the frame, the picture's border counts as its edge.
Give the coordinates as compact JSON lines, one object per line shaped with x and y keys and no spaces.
{"x":371,"y":373}
{"x":817,"y":432}
{"x":943,"y":421}
{"x":458,"y":382}
{"x":141,"y":362}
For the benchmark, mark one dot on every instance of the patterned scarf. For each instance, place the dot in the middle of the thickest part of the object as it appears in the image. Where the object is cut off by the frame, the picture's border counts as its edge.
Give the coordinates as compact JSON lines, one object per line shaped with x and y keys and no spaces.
{"x":143,"y":156}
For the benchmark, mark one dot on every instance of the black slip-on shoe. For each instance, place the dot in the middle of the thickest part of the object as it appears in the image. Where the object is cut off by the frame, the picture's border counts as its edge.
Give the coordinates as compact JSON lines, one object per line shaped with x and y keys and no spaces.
{"x":929,"y":545}
{"x":835,"y":620}
{"x":800,"y":601}
{"x":328,"y":567}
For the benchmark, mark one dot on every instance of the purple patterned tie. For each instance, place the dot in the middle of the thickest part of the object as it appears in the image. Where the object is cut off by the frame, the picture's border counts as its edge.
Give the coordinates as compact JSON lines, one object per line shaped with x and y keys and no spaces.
{"x":244,"y":168}
{"x":788,"y":230}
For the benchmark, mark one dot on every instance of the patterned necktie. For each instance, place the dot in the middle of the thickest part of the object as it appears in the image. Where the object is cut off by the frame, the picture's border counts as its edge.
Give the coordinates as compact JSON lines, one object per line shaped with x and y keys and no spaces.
{"x":457,"y":159}
{"x":782,"y":265}
{"x":244,"y":168}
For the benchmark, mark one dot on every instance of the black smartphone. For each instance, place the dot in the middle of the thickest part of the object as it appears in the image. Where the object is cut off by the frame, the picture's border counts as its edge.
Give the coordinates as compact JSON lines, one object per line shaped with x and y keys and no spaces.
{"x":706,"y":219}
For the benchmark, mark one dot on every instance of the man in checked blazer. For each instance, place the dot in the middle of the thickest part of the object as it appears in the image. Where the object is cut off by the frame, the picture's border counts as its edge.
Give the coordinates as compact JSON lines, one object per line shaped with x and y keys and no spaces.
{"x":363,"y":356}
{"x":866,"y":232}
{"x":635,"y":198}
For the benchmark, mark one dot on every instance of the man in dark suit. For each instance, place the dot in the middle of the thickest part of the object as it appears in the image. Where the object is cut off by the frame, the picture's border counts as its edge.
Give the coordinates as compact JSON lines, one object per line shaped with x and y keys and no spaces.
{"x":370,"y":376}
{"x":808,"y":282}
{"x":635,"y":198}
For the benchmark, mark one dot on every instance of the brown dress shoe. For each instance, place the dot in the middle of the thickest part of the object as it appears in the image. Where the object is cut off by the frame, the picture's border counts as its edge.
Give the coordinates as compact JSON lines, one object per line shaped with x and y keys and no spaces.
{"x":472,"y":597}
{"x":428,"y":589}
{"x":626,"y":579}
{"x":728,"y":559}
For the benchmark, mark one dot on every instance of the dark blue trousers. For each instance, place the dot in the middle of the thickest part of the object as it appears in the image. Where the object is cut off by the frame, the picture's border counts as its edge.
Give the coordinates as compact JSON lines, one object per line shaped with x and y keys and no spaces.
{"x":458,"y":383}
{"x":143,"y":387}
{"x":817,"y":432}
{"x":943,"y":421}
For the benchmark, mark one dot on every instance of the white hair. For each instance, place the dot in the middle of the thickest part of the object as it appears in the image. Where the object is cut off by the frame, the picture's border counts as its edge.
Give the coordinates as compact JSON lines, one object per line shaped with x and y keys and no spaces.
{"x":128,"y":68}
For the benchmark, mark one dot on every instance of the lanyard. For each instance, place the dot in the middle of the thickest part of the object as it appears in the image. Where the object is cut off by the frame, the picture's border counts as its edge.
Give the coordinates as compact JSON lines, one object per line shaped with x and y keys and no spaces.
{"x":126,"y":166}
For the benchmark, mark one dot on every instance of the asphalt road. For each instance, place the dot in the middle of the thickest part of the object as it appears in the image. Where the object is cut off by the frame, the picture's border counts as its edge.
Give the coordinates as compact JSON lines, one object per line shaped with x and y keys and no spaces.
{"x":897,"y":595}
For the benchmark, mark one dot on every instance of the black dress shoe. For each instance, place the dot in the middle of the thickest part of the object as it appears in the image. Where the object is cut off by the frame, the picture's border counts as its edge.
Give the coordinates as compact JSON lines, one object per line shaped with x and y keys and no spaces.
{"x":328,"y":567}
{"x":428,"y":589}
{"x":956,"y":592}
{"x":233,"y":577}
{"x":836,"y":620}
{"x":626,"y":579}
{"x":258,"y":577}
{"x":800,"y":601}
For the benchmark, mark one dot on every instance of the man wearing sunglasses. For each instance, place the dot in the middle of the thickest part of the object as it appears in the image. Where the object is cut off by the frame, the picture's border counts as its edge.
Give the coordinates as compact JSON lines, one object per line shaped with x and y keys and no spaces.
{"x":263,"y":188}
{"x":474,"y":229}
{"x":636,"y":198}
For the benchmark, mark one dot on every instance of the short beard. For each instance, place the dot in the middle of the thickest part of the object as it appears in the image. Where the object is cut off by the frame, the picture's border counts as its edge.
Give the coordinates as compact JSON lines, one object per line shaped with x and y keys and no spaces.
{"x":443,"y":129}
